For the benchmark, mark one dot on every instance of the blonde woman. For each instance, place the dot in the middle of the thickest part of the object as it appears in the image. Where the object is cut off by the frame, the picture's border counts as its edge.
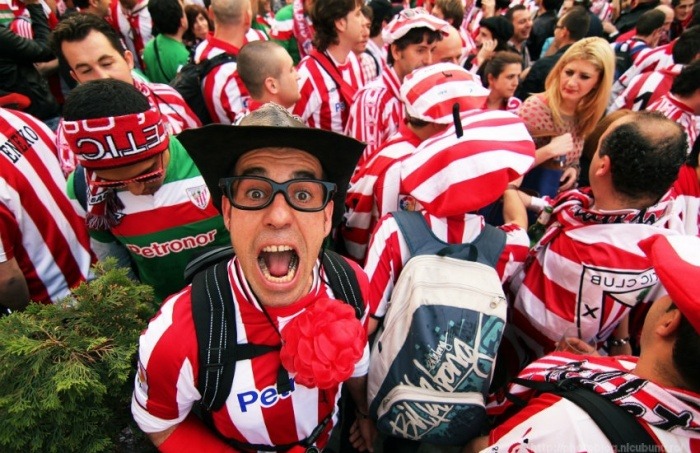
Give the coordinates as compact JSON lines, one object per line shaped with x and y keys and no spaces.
{"x":576,"y":93}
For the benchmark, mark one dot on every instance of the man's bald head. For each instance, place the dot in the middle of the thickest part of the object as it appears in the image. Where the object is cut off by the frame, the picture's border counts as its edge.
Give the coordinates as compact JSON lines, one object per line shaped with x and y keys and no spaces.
{"x":449,"y":50}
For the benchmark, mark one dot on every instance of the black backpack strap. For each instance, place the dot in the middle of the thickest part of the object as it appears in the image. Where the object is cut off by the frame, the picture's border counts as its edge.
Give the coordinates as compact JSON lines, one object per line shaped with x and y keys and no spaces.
{"x":206,"y":259}
{"x":210,"y":63}
{"x":80,"y":186}
{"x":620,"y":427}
{"x":216,"y":334}
{"x":343,"y":281}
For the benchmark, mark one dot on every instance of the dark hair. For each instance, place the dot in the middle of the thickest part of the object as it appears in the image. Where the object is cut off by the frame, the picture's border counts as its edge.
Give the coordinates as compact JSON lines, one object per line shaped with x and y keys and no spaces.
{"x":577,"y":21}
{"x":650,"y":21}
{"x":687,"y":46}
{"x":688,"y":81}
{"x":166,"y":16}
{"x":414,"y":36}
{"x":323,"y":14}
{"x":512,"y":10}
{"x":382,"y":11}
{"x":552,"y":5}
{"x":686,"y":353}
{"x":645,"y":155}
{"x":496,"y":64}
{"x":453,"y":10}
{"x":103,"y":98}
{"x":257,"y":61}
{"x":82,"y":4}
{"x":76,"y":27}
{"x":192,"y":11}
{"x":696,"y":16}
{"x":693,"y":156}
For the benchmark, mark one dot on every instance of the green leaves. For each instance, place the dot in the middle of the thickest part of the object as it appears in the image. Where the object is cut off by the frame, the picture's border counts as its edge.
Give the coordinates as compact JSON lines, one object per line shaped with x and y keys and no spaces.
{"x":68,"y":369}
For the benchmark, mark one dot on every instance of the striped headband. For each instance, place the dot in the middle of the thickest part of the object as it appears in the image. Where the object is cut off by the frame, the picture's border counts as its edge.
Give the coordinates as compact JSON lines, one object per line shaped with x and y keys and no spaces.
{"x":429,"y":93}
{"x":409,"y":19}
{"x":116,"y":141}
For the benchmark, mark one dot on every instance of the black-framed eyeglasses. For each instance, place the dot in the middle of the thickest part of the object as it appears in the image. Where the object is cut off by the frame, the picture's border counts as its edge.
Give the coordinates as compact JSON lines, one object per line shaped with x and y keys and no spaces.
{"x":257,"y":192}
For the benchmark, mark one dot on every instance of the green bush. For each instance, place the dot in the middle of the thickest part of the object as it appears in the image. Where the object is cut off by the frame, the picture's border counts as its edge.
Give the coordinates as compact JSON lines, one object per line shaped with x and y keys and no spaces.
{"x":67,"y":370}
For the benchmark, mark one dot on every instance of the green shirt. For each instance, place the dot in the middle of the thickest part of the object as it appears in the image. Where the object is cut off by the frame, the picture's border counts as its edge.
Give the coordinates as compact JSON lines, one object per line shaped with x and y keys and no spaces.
{"x":163,"y":231}
{"x":173,"y":54}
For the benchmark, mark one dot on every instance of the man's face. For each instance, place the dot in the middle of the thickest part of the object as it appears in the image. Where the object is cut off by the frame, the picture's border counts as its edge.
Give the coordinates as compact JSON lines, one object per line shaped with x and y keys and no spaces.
{"x":522,"y":25}
{"x":277,"y":246}
{"x":364,"y":36}
{"x":683,"y":10}
{"x":127,"y":173}
{"x":288,"y":80}
{"x":449,"y":49}
{"x":101,"y":8}
{"x":94,"y":58}
{"x":414,"y":56}
{"x":350,"y":27}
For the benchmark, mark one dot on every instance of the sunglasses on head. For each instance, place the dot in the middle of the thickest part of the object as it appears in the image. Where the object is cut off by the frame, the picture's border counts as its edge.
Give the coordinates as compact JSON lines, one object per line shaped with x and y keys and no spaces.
{"x":148,"y":176}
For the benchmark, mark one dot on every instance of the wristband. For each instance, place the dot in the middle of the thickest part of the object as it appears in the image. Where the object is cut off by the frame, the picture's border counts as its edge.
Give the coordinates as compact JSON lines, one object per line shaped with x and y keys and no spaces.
{"x":617,"y":342}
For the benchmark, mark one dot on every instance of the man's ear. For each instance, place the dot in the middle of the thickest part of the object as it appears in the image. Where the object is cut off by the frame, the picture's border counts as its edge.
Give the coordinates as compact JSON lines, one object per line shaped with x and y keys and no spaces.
{"x":129,"y":57}
{"x":271,"y":85}
{"x":668,"y":323}
{"x":341,"y":24}
{"x":226,"y":211}
{"x":328,"y":218}
{"x":603,"y":167}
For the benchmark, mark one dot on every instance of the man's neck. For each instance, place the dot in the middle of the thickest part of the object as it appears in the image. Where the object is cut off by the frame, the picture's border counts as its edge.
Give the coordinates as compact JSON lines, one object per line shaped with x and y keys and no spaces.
{"x":233,"y":35}
{"x":176,"y":37}
{"x":609,"y":200}
{"x":339,"y":52}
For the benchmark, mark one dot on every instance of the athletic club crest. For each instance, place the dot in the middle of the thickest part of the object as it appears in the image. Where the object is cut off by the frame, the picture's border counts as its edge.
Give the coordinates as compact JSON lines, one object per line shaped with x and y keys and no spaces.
{"x":199,"y":196}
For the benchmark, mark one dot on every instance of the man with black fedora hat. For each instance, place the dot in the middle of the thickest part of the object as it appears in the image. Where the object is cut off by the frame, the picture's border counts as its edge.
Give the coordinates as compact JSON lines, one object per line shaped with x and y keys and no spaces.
{"x":281,"y":297}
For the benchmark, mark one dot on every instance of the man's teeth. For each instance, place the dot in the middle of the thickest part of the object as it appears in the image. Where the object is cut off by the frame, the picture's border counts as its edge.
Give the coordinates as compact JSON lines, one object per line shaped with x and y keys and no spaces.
{"x":291,"y":271}
{"x":277,"y":248}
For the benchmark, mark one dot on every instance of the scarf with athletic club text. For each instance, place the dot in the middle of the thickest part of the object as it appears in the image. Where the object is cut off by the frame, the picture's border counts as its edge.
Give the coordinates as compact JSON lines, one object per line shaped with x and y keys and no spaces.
{"x":302,"y":28}
{"x":670,"y":409}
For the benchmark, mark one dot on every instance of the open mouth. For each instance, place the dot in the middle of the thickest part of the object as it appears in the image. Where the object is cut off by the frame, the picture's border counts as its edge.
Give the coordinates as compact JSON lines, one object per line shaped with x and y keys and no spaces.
{"x":278,"y":263}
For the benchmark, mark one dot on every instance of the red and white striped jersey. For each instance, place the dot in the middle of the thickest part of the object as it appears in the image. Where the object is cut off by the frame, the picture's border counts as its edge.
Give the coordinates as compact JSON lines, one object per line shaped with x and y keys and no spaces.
{"x":321,"y":104}
{"x":38,"y":225}
{"x":646,"y":88}
{"x":374,"y":191}
{"x":585,"y":272}
{"x":177,"y":114}
{"x":254,"y":34}
{"x":135,"y":26}
{"x":224,"y":92}
{"x":379,"y":54}
{"x":674,"y":109}
{"x":686,"y":193}
{"x":646,"y":60}
{"x":166,"y":389}
{"x":376,"y":113}
{"x":388,"y":252}
{"x":550,"y":422}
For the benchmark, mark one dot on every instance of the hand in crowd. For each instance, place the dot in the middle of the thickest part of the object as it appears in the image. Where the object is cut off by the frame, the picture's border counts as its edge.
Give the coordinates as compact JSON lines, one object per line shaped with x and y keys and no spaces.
{"x":568,"y":179}
{"x":486,"y":51}
{"x":562,"y":145}
{"x":363,"y":433}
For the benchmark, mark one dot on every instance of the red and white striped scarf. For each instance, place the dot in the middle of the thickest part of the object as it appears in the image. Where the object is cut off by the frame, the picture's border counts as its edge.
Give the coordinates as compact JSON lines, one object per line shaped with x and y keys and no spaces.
{"x":303,"y":28}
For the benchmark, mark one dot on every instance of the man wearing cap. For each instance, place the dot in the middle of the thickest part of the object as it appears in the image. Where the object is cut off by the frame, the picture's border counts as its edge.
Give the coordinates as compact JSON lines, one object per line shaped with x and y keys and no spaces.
{"x":142,"y":196}
{"x":331,"y":74}
{"x":429,"y":95}
{"x":283,"y":186}
{"x":92,"y":50}
{"x":426,"y":181}
{"x":660,"y":389}
{"x":586,"y":272}
{"x":377,"y":111}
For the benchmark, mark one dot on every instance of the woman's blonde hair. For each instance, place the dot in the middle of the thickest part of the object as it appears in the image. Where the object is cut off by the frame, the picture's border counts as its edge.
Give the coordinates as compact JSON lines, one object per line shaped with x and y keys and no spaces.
{"x":591,"y":108}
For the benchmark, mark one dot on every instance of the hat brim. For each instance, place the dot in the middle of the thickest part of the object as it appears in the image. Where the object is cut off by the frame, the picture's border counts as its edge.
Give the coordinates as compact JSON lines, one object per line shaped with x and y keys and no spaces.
{"x":216,"y":149}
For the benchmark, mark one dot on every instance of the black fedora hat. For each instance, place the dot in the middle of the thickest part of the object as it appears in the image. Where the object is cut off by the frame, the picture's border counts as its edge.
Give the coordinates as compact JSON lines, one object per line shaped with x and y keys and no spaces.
{"x":216,"y":148}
